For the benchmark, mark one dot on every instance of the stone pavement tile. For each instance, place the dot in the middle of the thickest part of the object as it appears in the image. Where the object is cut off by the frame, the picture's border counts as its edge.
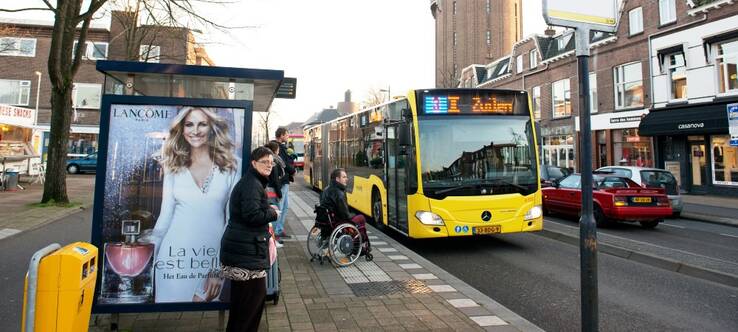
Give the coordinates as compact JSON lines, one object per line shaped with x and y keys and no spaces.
{"x":302,"y":326}
{"x":325,"y":327}
{"x":394,"y":327}
{"x":501,"y":328}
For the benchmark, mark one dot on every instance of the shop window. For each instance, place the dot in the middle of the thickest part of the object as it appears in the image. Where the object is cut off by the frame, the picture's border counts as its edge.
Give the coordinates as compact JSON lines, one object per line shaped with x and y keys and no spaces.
{"x":11,"y":46}
{"x":724,"y":161}
{"x":561,"y":92}
{"x":81,"y":144}
{"x":536,"y":99}
{"x":150,"y":53}
{"x":559,"y":151}
{"x":667,"y":11}
{"x":631,"y":149}
{"x":635,"y":18}
{"x":726,"y":61}
{"x":628,"y":85}
{"x":533,"y":56}
{"x":86,"y":95}
{"x":15,"y":92}
{"x":593,"y":103}
{"x":489,"y":37}
{"x":676,"y":67}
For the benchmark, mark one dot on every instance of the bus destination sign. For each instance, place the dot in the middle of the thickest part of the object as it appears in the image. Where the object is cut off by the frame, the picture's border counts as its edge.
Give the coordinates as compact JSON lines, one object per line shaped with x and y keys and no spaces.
{"x":476,"y":103}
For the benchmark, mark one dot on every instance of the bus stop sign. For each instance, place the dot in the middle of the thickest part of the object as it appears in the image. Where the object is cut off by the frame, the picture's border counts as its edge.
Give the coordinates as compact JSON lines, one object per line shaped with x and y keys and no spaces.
{"x":600,"y":15}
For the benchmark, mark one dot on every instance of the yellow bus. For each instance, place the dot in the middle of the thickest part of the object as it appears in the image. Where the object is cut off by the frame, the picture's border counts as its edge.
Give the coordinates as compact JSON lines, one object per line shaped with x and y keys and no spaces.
{"x":436,"y":163}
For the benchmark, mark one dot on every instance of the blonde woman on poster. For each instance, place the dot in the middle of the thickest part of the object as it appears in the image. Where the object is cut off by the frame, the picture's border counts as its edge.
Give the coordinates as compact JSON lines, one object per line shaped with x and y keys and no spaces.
{"x":200,"y":171}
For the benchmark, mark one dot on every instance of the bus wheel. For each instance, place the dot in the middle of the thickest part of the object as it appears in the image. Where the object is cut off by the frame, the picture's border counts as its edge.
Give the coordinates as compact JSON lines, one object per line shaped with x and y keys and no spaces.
{"x":377,"y":209}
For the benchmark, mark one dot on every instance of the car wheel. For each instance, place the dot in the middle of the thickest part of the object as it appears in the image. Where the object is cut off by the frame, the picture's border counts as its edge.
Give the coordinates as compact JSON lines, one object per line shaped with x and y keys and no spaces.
{"x":677,"y":215}
{"x":73,"y":169}
{"x":650,"y":224}
{"x":599,"y":216}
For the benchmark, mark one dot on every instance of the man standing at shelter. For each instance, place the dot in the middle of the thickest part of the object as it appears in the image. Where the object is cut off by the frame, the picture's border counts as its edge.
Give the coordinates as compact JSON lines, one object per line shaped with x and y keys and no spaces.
{"x":281,"y":138}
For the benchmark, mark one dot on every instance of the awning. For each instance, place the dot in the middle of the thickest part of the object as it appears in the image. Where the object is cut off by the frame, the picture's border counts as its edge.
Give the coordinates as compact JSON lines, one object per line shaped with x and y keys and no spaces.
{"x":686,"y":120}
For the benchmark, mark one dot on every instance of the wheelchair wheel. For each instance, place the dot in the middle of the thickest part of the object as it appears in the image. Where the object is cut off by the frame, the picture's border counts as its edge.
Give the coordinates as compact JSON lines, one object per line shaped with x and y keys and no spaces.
{"x":345,"y":244}
{"x":316,"y":244}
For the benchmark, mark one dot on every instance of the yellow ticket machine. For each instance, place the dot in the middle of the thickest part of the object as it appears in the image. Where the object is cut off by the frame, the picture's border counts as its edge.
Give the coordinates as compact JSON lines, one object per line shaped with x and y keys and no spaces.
{"x":59,"y":288}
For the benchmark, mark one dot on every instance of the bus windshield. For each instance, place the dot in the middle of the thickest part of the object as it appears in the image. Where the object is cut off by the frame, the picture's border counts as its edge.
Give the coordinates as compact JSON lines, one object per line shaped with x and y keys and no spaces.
{"x":477,"y":155}
{"x":298,"y":146}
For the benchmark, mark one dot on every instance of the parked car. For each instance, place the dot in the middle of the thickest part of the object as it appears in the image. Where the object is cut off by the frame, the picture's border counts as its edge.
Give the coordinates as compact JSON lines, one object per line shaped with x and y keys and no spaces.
{"x":616,"y":198}
{"x":87,"y":163}
{"x":551,"y":173}
{"x":651,"y":178}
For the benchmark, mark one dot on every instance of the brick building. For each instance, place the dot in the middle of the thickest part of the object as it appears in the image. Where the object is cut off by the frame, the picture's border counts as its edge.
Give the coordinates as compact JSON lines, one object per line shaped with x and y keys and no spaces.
{"x":623,"y":67}
{"x":24,"y":83}
{"x":473,"y":32}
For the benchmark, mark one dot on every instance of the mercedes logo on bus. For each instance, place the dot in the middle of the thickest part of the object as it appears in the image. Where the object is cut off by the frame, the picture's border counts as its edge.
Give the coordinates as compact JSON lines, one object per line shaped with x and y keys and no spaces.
{"x":486,"y":215}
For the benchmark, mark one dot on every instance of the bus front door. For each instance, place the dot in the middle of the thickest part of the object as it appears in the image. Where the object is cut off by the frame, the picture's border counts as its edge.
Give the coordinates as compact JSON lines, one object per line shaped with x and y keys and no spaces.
{"x":396,"y":175}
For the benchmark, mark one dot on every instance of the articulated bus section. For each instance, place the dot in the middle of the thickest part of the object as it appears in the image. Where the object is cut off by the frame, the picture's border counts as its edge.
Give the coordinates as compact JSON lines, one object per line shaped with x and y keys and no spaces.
{"x":439,"y":163}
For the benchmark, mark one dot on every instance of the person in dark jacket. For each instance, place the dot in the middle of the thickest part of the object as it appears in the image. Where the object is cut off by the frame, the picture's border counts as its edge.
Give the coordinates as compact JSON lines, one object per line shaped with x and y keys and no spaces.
{"x":244,"y":249}
{"x":333,"y":199}
{"x":275,"y":178}
{"x":281,"y":139}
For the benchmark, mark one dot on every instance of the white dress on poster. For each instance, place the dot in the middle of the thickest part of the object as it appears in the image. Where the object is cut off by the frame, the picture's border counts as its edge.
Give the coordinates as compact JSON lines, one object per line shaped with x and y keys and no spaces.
{"x":188,"y":233}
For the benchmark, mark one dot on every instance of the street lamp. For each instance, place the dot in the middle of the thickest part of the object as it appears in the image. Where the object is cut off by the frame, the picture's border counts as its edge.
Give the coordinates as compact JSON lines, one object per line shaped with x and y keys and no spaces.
{"x":38,"y":94}
{"x":389,"y":95}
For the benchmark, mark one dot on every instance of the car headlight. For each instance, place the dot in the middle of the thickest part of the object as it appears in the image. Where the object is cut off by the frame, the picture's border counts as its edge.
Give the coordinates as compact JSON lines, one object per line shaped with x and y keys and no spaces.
{"x":429,"y":218}
{"x":533,"y":213}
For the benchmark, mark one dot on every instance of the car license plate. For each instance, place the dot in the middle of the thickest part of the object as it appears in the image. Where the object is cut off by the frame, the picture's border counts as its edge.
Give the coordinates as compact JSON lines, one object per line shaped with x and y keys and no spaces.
{"x":641,"y":199}
{"x":481,"y":230}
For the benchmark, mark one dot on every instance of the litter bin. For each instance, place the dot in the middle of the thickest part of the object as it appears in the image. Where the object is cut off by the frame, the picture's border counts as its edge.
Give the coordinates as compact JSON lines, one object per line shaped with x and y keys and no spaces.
{"x":60,"y":286}
{"x":11,"y":180}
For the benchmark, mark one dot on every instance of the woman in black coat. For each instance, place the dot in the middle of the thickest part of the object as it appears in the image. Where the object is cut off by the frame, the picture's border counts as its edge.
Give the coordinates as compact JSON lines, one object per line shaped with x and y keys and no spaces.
{"x":244,"y":249}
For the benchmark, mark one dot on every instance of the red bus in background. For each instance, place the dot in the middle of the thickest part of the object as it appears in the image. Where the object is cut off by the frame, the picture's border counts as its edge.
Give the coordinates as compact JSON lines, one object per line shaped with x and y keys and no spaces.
{"x":296,"y":142}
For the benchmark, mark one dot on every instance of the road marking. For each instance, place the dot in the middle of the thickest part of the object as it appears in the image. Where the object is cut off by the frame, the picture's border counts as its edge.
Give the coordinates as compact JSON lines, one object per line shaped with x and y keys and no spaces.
{"x":675,"y":226}
{"x":441,"y":288}
{"x":488,"y":320}
{"x":387,"y":249}
{"x":735,"y":236}
{"x":5,"y":232}
{"x":410,"y":266}
{"x":424,"y":276}
{"x":463,"y":303}
{"x":397,"y":257}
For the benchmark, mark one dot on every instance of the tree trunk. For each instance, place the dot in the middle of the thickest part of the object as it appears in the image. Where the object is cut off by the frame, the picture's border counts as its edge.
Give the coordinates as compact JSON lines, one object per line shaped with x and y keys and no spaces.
{"x":55,"y":187}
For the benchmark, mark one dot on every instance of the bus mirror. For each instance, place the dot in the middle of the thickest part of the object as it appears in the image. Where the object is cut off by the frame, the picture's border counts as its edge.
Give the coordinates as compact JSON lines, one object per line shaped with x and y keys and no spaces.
{"x":404,"y":136}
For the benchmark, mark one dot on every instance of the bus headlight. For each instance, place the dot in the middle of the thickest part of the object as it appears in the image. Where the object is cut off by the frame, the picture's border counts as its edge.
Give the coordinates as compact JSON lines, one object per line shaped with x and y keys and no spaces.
{"x":429,"y":218}
{"x":533,"y":213}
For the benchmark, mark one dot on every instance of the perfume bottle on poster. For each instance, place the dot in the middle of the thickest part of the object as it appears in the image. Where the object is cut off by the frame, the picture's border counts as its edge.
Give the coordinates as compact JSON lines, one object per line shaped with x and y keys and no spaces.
{"x":128,"y":268}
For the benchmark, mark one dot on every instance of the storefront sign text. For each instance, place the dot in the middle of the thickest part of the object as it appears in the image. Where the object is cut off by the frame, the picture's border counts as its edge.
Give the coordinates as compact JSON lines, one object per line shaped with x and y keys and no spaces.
{"x":733,"y":123}
{"x":691,"y":125}
{"x":626,"y":119}
{"x":16,"y":116}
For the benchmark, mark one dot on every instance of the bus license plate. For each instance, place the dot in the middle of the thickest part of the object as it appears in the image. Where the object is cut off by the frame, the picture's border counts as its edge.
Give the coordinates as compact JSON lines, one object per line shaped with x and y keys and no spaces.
{"x":641,"y":199}
{"x":481,"y":230}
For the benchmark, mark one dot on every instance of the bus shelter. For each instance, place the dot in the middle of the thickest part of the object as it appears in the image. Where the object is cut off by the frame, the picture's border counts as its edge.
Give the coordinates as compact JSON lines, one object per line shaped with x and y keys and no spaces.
{"x":158,"y":218}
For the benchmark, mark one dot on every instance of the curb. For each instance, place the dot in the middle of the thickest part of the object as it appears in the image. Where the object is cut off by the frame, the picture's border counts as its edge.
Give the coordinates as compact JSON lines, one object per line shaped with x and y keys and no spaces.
{"x":710,"y":219}
{"x":62,"y":215}
{"x":651,"y":260}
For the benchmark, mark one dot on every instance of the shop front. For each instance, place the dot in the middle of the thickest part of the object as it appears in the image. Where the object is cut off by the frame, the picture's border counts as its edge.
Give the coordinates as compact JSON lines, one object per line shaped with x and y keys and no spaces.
{"x":694,"y":143}
{"x":16,"y":134}
{"x":617,"y":140}
{"x":83,"y":140}
{"x":558,"y":146}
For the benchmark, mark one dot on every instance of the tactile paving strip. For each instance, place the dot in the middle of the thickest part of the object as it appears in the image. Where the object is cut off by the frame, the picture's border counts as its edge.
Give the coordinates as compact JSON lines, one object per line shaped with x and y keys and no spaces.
{"x":389,"y":287}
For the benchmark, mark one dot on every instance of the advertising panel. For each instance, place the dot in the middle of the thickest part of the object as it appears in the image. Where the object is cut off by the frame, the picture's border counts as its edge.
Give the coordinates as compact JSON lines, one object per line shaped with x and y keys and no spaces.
{"x":168,"y":175}
{"x":733,"y":123}
{"x":601,"y":15}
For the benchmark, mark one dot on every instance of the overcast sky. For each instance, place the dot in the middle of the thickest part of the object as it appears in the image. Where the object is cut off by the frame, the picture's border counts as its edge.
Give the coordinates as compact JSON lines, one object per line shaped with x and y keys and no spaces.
{"x":329,"y":45}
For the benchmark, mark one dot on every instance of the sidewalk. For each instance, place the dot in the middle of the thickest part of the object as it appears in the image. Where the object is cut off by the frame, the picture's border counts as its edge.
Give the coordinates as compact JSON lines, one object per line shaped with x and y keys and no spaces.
{"x":397,"y":291}
{"x":19,"y":215}
{"x":714,"y":209}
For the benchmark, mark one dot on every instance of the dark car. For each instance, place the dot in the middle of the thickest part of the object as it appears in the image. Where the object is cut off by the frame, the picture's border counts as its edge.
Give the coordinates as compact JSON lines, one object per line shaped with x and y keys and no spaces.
{"x":550,"y":174}
{"x":616,"y":198}
{"x":87,"y":163}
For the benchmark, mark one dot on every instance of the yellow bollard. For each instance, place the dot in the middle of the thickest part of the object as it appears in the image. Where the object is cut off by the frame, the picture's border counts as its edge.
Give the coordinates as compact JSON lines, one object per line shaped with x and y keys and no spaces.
{"x":64,"y":284}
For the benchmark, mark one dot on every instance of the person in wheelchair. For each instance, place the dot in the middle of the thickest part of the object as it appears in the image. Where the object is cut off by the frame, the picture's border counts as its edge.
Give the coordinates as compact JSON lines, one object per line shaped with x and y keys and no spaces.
{"x":333,"y":199}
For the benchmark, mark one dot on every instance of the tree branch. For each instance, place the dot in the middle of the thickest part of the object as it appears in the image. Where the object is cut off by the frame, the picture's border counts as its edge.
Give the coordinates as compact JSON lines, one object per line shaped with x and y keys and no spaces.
{"x":81,"y":45}
{"x":23,"y":10}
{"x":48,"y":4}
{"x":94,"y":6}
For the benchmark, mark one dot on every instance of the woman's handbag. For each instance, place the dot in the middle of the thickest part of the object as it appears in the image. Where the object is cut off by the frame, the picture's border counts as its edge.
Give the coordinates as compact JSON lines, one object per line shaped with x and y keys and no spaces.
{"x":272,"y":246}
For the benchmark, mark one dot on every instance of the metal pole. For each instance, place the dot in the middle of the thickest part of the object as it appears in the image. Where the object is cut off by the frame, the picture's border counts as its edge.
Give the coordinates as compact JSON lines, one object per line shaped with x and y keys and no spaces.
{"x":38,"y":94}
{"x":587,"y":225}
{"x":32,"y":288}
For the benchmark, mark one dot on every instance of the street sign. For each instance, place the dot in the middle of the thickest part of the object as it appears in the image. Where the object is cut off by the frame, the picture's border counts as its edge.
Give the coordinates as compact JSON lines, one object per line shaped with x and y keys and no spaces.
{"x":288,"y":88}
{"x":600,"y":15}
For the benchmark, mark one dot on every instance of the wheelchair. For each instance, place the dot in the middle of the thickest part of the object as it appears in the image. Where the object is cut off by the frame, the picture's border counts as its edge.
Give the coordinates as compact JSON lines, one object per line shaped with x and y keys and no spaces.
{"x":337,"y":241}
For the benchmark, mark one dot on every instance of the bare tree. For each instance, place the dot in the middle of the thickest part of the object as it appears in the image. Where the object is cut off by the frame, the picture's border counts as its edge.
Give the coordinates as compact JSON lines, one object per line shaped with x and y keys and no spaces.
{"x":9,"y":45}
{"x":374,"y":97}
{"x":71,"y":24}
{"x":264,"y":124}
{"x":446,"y":79}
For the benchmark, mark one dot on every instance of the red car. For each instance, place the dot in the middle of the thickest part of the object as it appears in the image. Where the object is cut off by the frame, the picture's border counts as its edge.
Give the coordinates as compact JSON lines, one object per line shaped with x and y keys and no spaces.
{"x":616,"y":198}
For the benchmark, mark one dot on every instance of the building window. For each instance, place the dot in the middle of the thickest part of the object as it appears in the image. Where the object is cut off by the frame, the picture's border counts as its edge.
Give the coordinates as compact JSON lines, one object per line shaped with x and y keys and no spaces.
{"x":533,"y":58}
{"x":726,"y":61}
{"x":489,"y":37}
{"x":561,"y":92}
{"x":454,"y":38}
{"x":10,"y":46}
{"x":559,"y":151}
{"x":676,"y":67}
{"x":628,"y":85}
{"x":456,"y":71}
{"x":488,"y":7}
{"x":152,"y":53}
{"x":93,"y":50}
{"x":635,"y":18}
{"x":563,"y":41}
{"x":519,"y":64}
{"x":724,"y":161}
{"x":667,"y":11}
{"x":86,"y":95}
{"x":593,"y":103}
{"x":536,"y":99}
{"x":454,"y":10}
{"x":14,"y":92}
